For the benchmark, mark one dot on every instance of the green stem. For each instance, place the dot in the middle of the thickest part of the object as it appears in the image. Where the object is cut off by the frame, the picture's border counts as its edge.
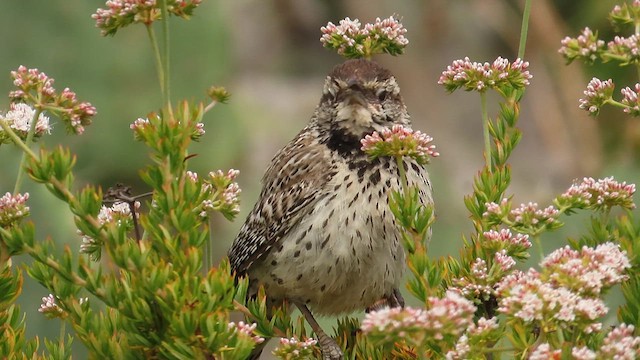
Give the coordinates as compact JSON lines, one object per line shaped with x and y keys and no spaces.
{"x":158,"y":58}
{"x":165,"y":56}
{"x":525,"y":28}
{"x":485,"y":130}
{"x":63,"y":332}
{"x":25,"y":154}
{"x":536,"y":239}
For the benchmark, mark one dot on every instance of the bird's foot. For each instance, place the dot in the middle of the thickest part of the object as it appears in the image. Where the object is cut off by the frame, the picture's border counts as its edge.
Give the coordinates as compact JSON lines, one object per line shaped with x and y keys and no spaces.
{"x":330,"y":349}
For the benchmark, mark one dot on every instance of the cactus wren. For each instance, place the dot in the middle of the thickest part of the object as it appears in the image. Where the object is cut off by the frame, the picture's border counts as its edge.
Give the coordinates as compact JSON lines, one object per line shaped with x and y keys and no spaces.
{"x":321,"y":234}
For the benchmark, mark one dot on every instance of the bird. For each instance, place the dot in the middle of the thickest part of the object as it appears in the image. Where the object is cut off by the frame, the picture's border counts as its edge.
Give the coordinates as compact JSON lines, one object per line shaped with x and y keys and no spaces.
{"x":321,"y":236}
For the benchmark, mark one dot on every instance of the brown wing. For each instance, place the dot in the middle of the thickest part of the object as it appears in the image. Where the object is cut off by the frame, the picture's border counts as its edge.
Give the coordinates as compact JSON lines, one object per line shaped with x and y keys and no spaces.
{"x":293,"y":183}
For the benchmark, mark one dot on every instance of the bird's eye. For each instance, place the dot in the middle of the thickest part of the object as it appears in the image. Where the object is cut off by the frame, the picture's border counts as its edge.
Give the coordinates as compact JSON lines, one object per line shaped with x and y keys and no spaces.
{"x":382,"y":95}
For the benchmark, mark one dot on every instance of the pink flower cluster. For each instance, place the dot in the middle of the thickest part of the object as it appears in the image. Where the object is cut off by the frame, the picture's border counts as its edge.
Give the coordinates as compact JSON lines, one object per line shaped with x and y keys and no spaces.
{"x":50,"y":308}
{"x":598,"y":93}
{"x":566,"y":291}
{"x":501,"y":249}
{"x":589,"y":271}
{"x":586,"y":46}
{"x":118,"y":214}
{"x":246,"y":330}
{"x":527,"y":218}
{"x":630,"y":99}
{"x":293,"y":348}
{"x":619,"y":343}
{"x":13,"y":208}
{"x":36,"y":87}
{"x":598,"y":194}
{"x":220,"y":193}
{"x":529,"y":214}
{"x":505,"y":240}
{"x":19,"y":119}
{"x":483,"y":329}
{"x":121,"y":13}
{"x":625,"y":14}
{"x":527,"y":297}
{"x":400,"y":141}
{"x":475,"y":76}
{"x":352,"y":41}
{"x":625,"y":49}
{"x":448,"y":317}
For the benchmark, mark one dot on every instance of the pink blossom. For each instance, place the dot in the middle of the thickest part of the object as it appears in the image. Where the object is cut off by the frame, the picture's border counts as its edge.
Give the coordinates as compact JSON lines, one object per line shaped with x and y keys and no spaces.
{"x":121,"y":13}
{"x":13,"y":208}
{"x":630,"y":99}
{"x":444,"y":317}
{"x":352,"y":41}
{"x":620,"y":343}
{"x":246,"y":330}
{"x":294,"y":348}
{"x":598,"y":92}
{"x":586,"y":46}
{"x":481,"y":76}
{"x":36,"y":87}
{"x":400,"y":141}
{"x":545,"y":352}
{"x":50,"y":308}
{"x":588,"y":271}
{"x":598,"y":194}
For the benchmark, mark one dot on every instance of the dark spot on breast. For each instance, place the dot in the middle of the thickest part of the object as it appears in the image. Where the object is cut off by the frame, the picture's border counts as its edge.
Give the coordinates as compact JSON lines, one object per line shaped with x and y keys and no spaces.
{"x":280,"y":281}
{"x":297,"y":253}
{"x":325,"y":222}
{"x":415,"y":167}
{"x":308,"y":245}
{"x":324,"y":243}
{"x":375,"y":177}
{"x":299,"y":277}
{"x":302,"y":236}
{"x":361,"y":172}
{"x":323,"y":287}
{"x":274,"y":263}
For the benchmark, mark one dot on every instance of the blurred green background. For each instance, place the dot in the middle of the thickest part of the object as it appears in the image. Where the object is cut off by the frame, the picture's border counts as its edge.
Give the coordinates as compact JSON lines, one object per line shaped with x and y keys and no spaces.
{"x":267,"y":54}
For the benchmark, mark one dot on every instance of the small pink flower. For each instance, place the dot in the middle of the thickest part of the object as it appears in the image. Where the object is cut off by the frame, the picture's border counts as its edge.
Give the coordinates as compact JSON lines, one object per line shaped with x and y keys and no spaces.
{"x":352,"y":41}
{"x":598,"y":92}
{"x":598,"y":194}
{"x":589,"y":270}
{"x":583,"y":353}
{"x":620,"y":343}
{"x":545,"y":352}
{"x":630,"y":99}
{"x":625,"y":49}
{"x":444,"y":317}
{"x":293,"y":348}
{"x":50,"y":308}
{"x":246,"y":330}
{"x":482,"y":76}
{"x":528,"y":218}
{"x":121,"y":13}
{"x":13,"y":208}
{"x":586,"y":46}
{"x":400,"y":141}
{"x":36,"y":87}
{"x":504,"y":261}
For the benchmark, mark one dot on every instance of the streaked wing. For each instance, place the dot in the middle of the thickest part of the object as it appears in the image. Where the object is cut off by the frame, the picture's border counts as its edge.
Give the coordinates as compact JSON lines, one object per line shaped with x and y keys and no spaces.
{"x":293,"y":183}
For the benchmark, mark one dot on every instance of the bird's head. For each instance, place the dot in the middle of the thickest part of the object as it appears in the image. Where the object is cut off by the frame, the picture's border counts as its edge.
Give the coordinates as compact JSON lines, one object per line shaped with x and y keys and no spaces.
{"x":360,"y":97}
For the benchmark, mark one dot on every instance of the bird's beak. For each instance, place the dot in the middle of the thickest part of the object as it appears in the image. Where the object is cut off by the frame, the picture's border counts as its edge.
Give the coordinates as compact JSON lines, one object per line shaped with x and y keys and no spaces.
{"x":355,"y":95}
